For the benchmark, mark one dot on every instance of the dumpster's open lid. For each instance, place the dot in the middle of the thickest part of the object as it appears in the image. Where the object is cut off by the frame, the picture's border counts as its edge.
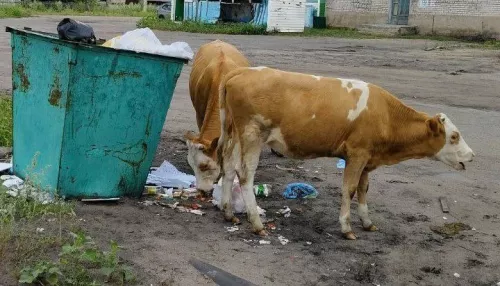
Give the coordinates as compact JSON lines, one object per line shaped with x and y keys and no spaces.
{"x":55,"y":37}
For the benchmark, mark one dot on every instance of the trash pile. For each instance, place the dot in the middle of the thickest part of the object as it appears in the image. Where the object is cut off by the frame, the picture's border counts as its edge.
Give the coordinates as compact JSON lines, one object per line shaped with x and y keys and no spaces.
{"x":17,"y":188}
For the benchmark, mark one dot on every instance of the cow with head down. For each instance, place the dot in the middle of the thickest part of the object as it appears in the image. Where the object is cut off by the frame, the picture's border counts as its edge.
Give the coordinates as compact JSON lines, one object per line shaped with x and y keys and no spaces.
{"x":304,"y":116}
{"x":211,"y":63}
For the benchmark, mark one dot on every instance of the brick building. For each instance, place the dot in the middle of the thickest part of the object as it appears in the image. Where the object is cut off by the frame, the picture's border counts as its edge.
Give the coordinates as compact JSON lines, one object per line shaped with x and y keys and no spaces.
{"x":459,"y":17}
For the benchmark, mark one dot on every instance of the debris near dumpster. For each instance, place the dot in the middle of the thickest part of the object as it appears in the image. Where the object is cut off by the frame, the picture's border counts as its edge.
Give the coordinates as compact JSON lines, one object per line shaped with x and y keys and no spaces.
{"x":153,"y":190}
{"x":145,"y":41}
{"x":264,"y":242}
{"x":186,"y":208}
{"x":237,"y":201}
{"x":283,"y":240}
{"x":72,"y":30}
{"x":341,"y":164}
{"x":17,"y":188}
{"x":232,"y":228}
{"x":168,"y":176}
{"x":300,"y":191}
{"x":98,"y":200}
{"x":285,"y":211}
{"x":262,"y":190}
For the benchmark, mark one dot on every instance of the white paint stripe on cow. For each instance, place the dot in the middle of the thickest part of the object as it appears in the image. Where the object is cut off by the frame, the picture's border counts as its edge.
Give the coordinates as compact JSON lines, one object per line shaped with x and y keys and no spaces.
{"x":363,"y":214}
{"x":363,"y":99}
{"x":316,"y":77}
{"x":345,"y":226}
{"x":258,"y":68}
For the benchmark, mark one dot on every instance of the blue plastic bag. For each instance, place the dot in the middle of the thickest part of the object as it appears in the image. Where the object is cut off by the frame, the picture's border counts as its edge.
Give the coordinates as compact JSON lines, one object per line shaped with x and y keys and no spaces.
{"x":300,"y":191}
{"x":341,"y":164}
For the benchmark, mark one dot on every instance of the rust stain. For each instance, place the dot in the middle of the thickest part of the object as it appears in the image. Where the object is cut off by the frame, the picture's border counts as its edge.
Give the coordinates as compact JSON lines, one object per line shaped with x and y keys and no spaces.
{"x":121,"y":74}
{"x":25,"y":83}
{"x":55,"y":93}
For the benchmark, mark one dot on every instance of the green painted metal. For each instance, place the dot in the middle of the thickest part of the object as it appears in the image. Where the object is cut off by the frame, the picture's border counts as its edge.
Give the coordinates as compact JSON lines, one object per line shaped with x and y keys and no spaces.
{"x":90,"y":116}
{"x":322,"y":8}
{"x":179,"y":10}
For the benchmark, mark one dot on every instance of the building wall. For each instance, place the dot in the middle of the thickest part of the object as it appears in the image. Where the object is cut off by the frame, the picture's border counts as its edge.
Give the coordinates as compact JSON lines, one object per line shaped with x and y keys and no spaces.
{"x":431,"y":16}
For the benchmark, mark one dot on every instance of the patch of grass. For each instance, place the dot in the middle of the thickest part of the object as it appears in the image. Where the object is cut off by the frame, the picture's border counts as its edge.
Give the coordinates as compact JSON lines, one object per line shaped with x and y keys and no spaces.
{"x":13,"y":11}
{"x":5,"y":121}
{"x":74,"y":9}
{"x":80,"y":263}
{"x":197,"y":27}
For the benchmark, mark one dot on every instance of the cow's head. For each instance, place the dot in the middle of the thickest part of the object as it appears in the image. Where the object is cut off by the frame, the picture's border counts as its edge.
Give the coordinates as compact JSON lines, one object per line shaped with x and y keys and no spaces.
{"x":203,"y":160}
{"x":455,"y":151}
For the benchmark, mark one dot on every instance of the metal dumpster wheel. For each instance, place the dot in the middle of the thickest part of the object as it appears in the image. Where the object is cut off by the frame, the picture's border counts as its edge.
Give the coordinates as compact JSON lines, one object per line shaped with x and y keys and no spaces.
{"x":277,"y":153}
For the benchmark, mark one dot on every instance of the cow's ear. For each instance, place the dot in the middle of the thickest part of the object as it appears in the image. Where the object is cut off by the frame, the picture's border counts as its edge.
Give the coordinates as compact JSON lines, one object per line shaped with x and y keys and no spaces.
{"x":433,"y":125}
{"x":190,"y":136}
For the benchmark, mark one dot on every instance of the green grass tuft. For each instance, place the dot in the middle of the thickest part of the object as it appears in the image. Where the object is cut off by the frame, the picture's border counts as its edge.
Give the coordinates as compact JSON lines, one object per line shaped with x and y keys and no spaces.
{"x":5,"y":121}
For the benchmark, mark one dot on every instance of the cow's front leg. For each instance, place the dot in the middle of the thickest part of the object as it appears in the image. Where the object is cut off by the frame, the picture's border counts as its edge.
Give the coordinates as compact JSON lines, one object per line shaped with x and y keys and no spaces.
{"x":362,"y":204}
{"x":352,"y":174}
{"x":228,"y":174}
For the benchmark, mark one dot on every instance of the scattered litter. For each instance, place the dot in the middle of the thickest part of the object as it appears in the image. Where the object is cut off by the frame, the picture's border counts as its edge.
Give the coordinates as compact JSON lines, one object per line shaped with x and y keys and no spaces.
{"x":168,"y":176}
{"x":498,"y":284}
{"x":262,"y":190}
{"x":197,"y":212}
{"x":283,"y":240}
{"x":444,"y":205}
{"x":456,"y":275}
{"x":396,"y":182}
{"x":445,"y":218}
{"x":148,"y":203}
{"x":51,"y":220}
{"x":11,"y":181}
{"x":300,"y":191}
{"x":285,"y":169}
{"x":232,"y":228}
{"x":309,"y":243}
{"x":5,"y":166}
{"x":16,"y":188}
{"x":237,"y":201}
{"x":373,"y":264}
{"x":152,"y":190}
{"x":247,"y":240}
{"x":434,"y":48}
{"x":264,"y":241}
{"x":285,"y":211}
{"x":450,"y":229}
{"x":271,"y":226}
{"x":473,"y":228}
{"x":40,"y":229}
{"x":144,"y":40}
{"x":341,"y":164}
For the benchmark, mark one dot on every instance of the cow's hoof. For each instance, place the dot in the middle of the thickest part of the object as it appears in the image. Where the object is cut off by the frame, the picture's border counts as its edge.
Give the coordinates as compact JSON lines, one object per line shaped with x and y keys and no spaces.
{"x":372,"y":227}
{"x":350,"y":236}
{"x":233,"y":219}
{"x":262,"y":232}
{"x":277,"y":153}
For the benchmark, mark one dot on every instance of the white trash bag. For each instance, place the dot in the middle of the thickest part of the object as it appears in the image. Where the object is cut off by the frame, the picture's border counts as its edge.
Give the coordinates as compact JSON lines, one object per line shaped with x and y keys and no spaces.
{"x":145,"y":41}
{"x":237,"y":198}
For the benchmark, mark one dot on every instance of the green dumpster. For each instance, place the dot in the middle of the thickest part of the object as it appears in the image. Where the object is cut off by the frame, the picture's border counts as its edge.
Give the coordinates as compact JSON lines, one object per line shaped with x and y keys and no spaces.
{"x":87,"y":119}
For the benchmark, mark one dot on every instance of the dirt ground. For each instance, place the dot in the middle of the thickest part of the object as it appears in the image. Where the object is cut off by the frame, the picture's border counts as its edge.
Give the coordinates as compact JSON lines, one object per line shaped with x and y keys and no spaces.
{"x":403,"y":199}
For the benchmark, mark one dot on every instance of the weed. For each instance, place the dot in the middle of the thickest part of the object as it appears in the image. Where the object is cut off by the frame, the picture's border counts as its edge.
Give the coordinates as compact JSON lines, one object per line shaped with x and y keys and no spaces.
{"x":80,"y":263}
{"x":5,"y":120}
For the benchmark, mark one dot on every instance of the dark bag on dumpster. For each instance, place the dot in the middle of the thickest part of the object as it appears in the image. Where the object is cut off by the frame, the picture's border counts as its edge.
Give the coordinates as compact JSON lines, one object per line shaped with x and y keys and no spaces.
{"x":72,"y":30}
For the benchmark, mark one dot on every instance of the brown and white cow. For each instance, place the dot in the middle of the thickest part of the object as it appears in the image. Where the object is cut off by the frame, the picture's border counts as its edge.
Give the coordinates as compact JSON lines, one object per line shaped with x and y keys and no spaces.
{"x":304,"y":116}
{"x":212,"y":62}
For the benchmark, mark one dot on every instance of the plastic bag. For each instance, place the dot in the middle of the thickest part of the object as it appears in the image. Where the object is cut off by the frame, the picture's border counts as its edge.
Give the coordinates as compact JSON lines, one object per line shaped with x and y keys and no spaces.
{"x":341,"y":164}
{"x":300,"y":191}
{"x":72,"y":30}
{"x":237,"y":198}
{"x":145,"y":41}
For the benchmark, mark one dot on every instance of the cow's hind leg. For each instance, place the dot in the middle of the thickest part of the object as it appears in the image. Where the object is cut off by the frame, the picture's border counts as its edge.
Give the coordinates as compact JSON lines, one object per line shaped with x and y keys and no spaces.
{"x":231,"y":156}
{"x":362,"y":205}
{"x":354,"y":169}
